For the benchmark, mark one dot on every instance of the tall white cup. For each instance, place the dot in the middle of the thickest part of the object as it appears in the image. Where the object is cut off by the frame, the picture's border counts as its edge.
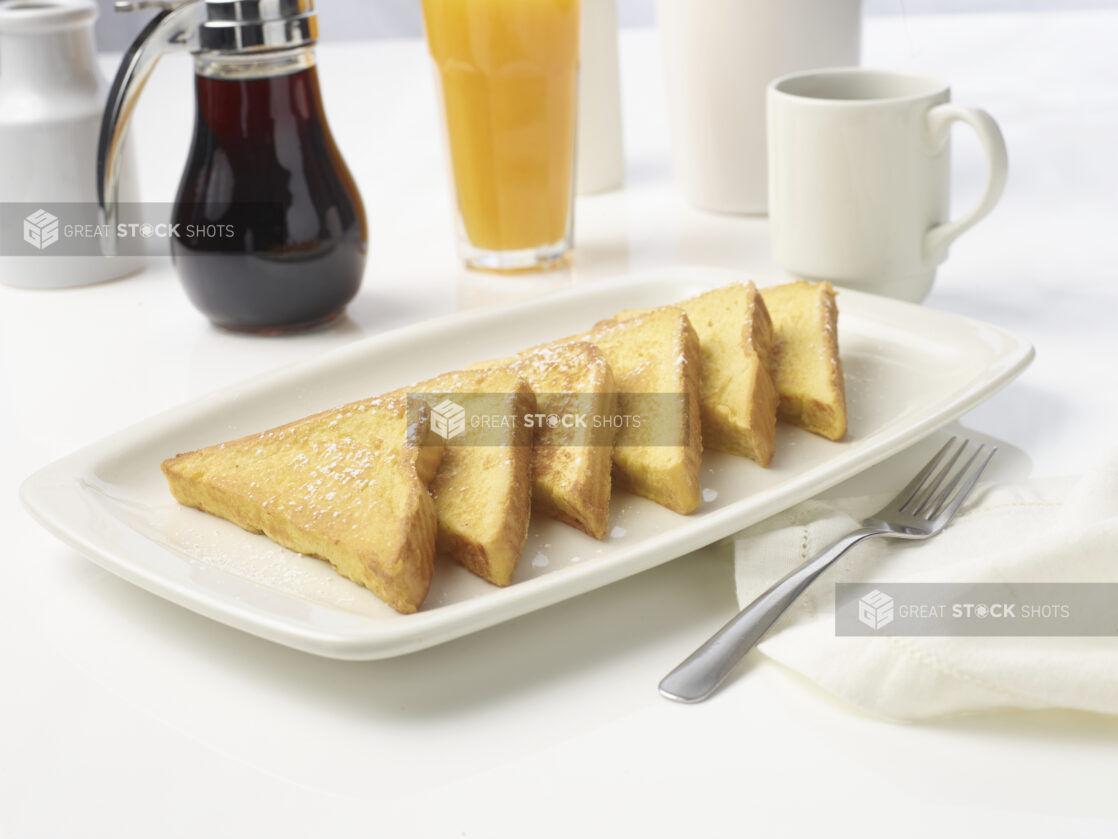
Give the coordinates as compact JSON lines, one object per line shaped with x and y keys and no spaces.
{"x":859,"y":177}
{"x":719,"y":55}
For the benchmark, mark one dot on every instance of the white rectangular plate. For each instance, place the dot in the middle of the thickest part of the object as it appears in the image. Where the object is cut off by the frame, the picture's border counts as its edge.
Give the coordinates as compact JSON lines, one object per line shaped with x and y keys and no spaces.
{"x":909,"y":371}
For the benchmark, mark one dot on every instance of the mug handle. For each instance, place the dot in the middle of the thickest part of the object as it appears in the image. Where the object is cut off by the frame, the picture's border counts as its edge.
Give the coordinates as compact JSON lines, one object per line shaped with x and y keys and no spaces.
{"x":939,"y":120}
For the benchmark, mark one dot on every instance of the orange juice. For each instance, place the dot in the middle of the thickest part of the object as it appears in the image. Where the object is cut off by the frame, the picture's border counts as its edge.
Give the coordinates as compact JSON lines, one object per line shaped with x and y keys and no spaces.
{"x":509,"y":79}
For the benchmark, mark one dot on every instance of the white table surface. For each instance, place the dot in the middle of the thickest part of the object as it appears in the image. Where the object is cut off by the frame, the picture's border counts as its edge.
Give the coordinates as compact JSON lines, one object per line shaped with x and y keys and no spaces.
{"x":125,"y":716}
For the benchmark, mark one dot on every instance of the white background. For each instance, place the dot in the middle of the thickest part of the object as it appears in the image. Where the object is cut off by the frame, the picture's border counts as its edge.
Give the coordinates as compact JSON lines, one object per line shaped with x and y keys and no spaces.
{"x":124,"y":716}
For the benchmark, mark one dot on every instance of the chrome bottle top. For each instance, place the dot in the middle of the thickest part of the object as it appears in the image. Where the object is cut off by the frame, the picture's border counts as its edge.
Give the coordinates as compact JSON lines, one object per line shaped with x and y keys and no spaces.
{"x":237,"y":26}
{"x":251,"y":25}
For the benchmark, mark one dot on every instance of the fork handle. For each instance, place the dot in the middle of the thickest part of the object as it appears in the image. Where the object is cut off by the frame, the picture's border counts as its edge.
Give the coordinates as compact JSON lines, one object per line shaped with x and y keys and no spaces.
{"x":703,"y":671}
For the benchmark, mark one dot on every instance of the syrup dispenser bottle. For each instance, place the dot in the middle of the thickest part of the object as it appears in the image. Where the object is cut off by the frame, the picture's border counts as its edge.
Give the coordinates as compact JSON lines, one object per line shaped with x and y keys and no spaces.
{"x":269,"y":231}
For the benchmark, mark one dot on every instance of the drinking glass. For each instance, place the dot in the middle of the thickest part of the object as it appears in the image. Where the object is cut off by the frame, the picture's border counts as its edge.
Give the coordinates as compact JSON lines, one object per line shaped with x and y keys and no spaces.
{"x":508,"y":84}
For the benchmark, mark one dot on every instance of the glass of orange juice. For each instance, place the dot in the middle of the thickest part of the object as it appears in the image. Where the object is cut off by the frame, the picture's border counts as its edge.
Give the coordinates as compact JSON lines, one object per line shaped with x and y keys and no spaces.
{"x":508,"y":74}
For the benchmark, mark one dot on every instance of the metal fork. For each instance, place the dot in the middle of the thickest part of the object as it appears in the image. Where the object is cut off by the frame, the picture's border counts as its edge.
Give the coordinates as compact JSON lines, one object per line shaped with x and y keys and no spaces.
{"x":921,"y":510}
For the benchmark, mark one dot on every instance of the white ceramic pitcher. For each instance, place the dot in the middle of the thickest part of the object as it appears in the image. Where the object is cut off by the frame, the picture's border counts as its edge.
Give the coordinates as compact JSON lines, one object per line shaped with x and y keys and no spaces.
{"x":51,"y":98}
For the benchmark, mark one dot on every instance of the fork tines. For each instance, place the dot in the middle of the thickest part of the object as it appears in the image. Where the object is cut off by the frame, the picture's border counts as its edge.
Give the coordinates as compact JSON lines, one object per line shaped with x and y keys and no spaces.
{"x":924,"y":497}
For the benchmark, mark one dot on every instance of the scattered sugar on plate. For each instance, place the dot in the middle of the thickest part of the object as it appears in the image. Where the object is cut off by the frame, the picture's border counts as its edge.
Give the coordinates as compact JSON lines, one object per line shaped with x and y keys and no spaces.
{"x":539,"y":561}
{"x":617,"y":532}
{"x":709,"y":495}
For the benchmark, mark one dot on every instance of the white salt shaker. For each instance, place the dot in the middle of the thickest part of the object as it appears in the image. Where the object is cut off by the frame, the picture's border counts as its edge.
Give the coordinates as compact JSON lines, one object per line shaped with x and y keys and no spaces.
{"x":51,"y":98}
{"x":600,"y":162}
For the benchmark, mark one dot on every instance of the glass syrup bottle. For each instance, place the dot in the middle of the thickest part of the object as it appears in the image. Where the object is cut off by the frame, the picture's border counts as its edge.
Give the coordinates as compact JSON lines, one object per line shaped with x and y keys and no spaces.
{"x":269,"y":229}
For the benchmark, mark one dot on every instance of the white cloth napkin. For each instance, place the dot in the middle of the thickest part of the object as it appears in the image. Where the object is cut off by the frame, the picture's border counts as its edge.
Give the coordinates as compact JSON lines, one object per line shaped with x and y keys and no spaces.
{"x":1055,"y":530}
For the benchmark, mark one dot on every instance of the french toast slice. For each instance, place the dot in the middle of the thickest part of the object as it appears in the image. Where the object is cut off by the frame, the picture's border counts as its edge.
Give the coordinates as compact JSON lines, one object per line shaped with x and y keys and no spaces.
{"x":656,"y":352}
{"x":570,"y":464}
{"x":347,"y":485}
{"x":807,"y":370}
{"x":483,"y":492}
{"x":737,"y":397}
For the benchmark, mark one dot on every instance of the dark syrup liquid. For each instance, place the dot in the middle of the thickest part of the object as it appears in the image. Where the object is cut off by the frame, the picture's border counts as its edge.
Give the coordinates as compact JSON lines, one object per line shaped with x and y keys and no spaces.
{"x":291,"y":248}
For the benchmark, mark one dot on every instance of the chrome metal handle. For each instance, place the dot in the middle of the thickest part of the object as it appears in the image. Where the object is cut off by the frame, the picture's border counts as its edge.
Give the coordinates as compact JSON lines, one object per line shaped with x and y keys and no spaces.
{"x":171,"y":30}
{"x":705,"y":669}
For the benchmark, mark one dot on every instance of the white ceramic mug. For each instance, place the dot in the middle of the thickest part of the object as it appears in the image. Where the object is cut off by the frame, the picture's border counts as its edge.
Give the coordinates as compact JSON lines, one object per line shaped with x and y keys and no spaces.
{"x":859,"y":176}
{"x":719,"y":56}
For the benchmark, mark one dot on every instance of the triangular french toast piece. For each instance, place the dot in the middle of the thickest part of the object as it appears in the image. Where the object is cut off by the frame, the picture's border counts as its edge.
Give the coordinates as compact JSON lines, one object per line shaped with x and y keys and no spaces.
{"x":656,"y":363}
{"x":347,"y":485}
{"x":570,"y":461}
{"x":807,"y":369}
{"x":483,"y":489}
{"x":737,"y":395}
